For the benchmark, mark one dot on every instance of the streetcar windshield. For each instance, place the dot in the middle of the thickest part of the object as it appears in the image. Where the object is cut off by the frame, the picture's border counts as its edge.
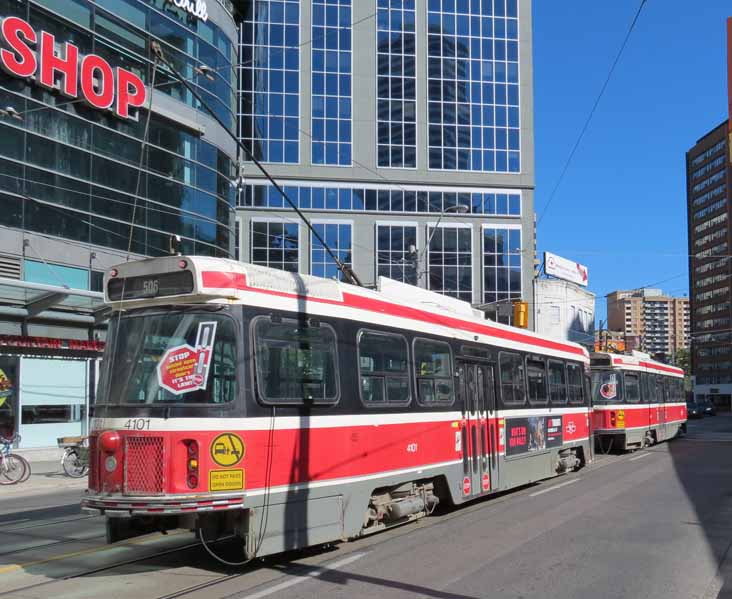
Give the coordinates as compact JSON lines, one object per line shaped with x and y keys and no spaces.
{"x":605,"y":387}
{"x":170,"y":358}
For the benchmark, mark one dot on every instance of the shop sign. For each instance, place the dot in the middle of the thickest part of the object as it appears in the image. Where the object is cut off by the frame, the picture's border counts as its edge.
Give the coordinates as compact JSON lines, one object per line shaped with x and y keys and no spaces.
{"x":29,"y":54}
{"x":6,"y":387}
{"x":26,"y":342}
{"x":197,"y":8}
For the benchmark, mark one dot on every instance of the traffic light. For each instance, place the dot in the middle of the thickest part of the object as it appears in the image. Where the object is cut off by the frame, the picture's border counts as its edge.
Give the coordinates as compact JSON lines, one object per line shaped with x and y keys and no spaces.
{"x":521,"y":314}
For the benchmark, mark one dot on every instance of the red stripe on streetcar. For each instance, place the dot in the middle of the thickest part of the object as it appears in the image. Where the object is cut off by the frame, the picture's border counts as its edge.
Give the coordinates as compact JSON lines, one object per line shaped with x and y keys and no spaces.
{"x":231,"y":280}
{"x":650,"y":365}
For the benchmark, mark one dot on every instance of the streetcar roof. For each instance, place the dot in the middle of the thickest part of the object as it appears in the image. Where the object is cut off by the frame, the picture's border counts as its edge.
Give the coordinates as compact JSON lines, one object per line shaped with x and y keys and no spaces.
{"x":637,"y":361}
{"x":217,"y":280}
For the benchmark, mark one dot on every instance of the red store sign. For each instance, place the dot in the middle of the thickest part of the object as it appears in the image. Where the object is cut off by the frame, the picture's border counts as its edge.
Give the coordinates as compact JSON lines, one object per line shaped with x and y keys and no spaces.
{"x":26,"y":53}
{"x":26,"y":342}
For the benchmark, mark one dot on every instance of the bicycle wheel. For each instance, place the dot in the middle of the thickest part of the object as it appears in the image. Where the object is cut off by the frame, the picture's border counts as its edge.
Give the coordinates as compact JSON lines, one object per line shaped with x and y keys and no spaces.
{"x":12,"y":469}
{"x":73,"y":466}
{"x":26,"y":463}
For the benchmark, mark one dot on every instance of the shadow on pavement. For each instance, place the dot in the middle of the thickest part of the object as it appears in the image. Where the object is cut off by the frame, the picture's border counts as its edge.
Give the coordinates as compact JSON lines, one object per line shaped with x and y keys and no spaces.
{"x":703,"y":464}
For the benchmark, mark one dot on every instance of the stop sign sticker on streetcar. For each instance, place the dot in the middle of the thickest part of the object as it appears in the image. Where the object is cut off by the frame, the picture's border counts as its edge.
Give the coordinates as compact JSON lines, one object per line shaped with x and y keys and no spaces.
{"x":183,"y":368}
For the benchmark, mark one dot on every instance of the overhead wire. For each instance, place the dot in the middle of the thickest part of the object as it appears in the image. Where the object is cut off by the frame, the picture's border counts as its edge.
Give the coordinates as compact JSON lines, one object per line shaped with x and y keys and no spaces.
{"x":586,"y":125}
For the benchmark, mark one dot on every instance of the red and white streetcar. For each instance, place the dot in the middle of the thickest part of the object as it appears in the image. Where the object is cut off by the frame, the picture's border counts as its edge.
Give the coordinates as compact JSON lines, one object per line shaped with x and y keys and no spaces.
{"x":291,"y":410}
{"x":637,"y":401}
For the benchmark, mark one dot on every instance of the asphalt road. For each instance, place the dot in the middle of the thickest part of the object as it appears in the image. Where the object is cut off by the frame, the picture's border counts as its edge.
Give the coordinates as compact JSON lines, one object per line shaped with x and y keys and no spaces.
{"x":656,"y":523}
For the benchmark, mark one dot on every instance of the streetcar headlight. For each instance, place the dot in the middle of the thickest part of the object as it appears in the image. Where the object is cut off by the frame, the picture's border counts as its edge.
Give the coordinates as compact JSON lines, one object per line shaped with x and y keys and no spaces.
{"x":110,"y":464}
{"x":110,"y":441}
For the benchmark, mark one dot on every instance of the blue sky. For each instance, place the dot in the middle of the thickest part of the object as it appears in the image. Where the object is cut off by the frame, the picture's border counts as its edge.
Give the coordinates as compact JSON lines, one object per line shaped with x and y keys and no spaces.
{"x":621,"y":207}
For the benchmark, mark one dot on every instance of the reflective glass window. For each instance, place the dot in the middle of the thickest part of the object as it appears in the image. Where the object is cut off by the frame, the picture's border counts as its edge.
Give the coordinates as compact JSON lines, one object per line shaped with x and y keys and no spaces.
{"x":393,"y":256}
{"x":275,"y":244}
{"x":331,"y":55}
{"x":473,"y":86}
{"x":450,"y":261}
{"x":396,"y":84}
{"x":338,"y":237}
{"x":269,"y":80}
{"x":501,"y":264}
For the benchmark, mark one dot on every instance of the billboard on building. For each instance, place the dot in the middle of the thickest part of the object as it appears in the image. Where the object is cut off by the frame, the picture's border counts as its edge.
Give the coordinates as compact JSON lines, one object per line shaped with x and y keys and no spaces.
{"x":562,"y":268}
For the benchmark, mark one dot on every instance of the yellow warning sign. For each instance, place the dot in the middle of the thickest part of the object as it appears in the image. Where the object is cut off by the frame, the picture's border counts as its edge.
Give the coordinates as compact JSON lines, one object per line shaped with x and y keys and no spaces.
{"x":227,"y":449}
{"x":226,"y":480}
{"x":620,"y":420}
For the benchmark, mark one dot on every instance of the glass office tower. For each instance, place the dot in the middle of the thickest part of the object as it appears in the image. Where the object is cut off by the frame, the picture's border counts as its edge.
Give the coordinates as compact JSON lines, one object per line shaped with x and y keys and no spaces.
{"x":395,"y":125}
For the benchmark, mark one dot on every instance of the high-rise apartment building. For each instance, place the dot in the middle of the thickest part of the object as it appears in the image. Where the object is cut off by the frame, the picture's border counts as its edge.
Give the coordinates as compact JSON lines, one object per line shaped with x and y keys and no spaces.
{"x":708,"y":208}
{"x":708,"y":180}
{"x":394,"y":125}
{"x":659,"y":322}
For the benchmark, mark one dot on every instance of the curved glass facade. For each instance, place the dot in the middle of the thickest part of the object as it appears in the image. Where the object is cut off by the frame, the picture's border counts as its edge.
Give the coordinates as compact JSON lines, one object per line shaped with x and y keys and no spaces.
{"x":72,"y":171}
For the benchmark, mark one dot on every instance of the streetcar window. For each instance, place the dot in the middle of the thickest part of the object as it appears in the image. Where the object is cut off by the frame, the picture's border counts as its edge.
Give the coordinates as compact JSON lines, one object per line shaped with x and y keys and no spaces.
{"x":661,"y":387}
{"x":295,"y":362}
{"x":652,"y":389}
{"x":536,"y":377}
{"x":575,"y":386}
{"x":170,"y":358}
{"x":645,"y":390}
{"x":383,"y":364}
{"x":557,"y":383}
{"x":513,"y":390}
{"x":632,"y":387}
{"x":433,"y":369}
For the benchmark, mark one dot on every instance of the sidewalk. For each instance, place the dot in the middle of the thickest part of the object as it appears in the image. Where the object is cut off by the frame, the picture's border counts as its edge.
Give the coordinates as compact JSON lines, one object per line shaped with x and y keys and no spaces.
{"x":46,"y":478}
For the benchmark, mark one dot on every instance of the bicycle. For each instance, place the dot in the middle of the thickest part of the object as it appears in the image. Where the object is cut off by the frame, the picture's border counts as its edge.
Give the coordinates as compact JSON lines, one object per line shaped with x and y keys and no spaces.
{"x":75,"y":460}
{"x":14,"y":468}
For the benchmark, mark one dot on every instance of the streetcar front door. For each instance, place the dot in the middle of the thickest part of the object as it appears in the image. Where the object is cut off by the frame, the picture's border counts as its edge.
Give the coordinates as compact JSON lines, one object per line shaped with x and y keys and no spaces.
{"x":486,"y":373}
{"x":476,"y":476}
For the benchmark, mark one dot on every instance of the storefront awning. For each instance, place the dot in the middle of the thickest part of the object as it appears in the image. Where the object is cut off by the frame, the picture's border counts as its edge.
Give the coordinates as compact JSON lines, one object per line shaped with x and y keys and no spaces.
{"x":26,"y":301}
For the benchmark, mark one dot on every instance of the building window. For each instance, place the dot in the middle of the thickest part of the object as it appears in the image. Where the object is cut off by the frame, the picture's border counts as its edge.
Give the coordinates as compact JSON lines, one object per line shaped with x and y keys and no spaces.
{"x":275,"y":244}
{"x":501,"y":264}
{"x":473,"y":81}
{"x":331,"y":82}
{"x":397,"y":83}
{"x":338,"y":237}
{"x":450,"y":261}
{"x":269,"y":80}
{"x":55,"y":274}
{"x":383,"y":198}
{"x":392,"y":252}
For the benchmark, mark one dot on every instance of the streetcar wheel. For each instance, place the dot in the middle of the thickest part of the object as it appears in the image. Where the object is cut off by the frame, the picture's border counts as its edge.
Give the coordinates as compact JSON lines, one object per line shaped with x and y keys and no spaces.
{"x":72,"y":465}
{"x":12,"y":469}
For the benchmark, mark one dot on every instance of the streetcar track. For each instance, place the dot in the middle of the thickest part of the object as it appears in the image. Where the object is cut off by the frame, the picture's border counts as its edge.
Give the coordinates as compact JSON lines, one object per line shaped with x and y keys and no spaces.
{"x":54,"y":543}
{"x":490,"y":503}
{"x":42,"y":524}
{"x":104,"y":568}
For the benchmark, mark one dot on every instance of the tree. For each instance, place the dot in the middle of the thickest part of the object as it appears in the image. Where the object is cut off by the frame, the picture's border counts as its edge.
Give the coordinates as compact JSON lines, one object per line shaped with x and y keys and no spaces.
{"x":683,"y":361}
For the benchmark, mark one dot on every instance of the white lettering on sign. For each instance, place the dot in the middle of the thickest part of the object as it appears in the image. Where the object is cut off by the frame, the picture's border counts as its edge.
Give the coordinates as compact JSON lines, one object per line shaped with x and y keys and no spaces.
{"x":197,"y":8}
{"x":28,"y":54}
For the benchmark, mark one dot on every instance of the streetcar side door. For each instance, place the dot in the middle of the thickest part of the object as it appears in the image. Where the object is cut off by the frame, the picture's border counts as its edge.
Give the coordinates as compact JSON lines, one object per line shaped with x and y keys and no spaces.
{"x":473,"y":429}
{"x":487,"y":373}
